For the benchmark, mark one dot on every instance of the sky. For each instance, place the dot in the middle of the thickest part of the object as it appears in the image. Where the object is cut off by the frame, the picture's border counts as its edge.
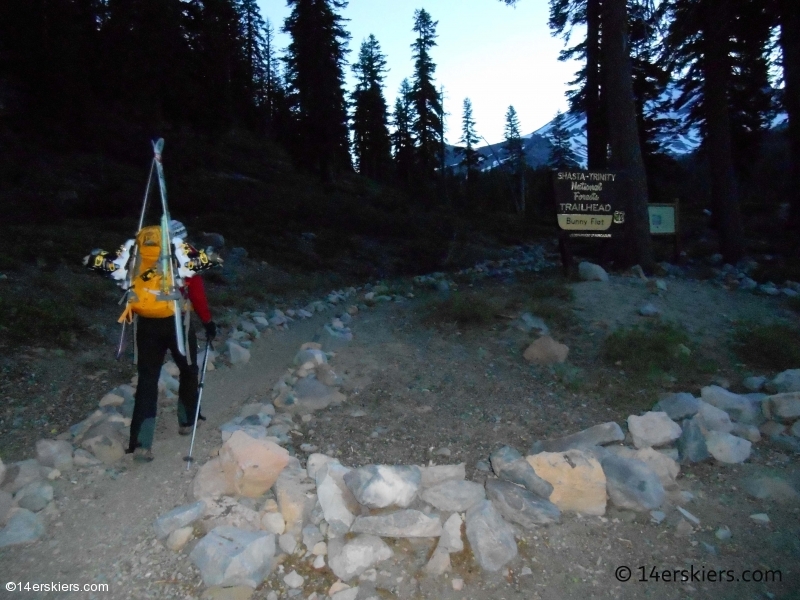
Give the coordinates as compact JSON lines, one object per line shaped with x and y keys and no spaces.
{"x":493,"y":54}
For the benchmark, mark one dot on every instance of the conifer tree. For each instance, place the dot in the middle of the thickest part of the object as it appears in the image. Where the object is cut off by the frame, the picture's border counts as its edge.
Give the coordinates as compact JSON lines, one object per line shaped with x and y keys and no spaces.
{"x":403,"y":136}
{"x":561,"y":154}
{"x":469,"y":137}
{"x":371,"y":144}
{"x":315,"y":67}
{"x":516,"y":156}
{"x":427,"y":124}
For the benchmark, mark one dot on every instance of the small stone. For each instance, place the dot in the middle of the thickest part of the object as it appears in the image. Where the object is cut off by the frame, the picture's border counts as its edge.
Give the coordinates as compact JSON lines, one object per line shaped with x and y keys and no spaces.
{"x":458,"y":584}
{"x":689,"y":516}
{"x":754,"y":384}
{"x":451,"y":534}
{"x":106,"y":448}
{"x":319,"y":549}
{"x":761,"y":518}
{"x":649,"y":310}
{"x":239,"y":354}
{"x":657,"y":516}
{"x":546,"y":351}
{"x":273,"y":522}
{"x":287,"y":543}
{"x":35,"y":496}
{"x":319,"y":562}
{"x":179,"y":538}
{"x":723,"y":533}
{"x":177,"y":518}
{"x":294,"y":580}
{"x":683,"y":528}
{"x":591,"y":272}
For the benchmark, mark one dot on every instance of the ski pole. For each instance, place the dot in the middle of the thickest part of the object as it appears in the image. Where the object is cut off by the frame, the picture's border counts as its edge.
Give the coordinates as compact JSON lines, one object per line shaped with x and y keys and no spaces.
{"x":189,"y":458}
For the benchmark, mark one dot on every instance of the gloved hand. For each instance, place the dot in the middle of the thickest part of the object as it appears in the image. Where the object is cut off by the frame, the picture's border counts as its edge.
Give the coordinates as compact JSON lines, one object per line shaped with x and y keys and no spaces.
{"x":211,"y":330}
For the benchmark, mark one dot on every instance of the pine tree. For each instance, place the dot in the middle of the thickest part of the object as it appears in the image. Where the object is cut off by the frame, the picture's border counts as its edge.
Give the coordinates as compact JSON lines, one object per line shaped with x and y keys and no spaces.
{"x":315,"y":65}
{"x":403,"y":136}
{"x":271,"y":91}
{"x":789,"y":21}
{"x":718,"y":51}
{"x":427,"y":124}
{"x":251,"y":44}
{"x":561,"y":154}
{"x":635,"y":245}
{"x":469,"y":137}
{"x":371,"y":144}
{"x":516,"y":156}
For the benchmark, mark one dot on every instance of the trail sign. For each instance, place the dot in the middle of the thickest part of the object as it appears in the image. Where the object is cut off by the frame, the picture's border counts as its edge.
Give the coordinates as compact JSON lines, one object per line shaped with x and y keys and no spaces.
{"x":585,"y":203}
{"x":663,"y":219}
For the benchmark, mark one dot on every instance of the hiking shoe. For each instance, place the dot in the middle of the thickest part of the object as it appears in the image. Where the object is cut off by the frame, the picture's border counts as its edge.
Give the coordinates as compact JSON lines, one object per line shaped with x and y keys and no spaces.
{"x":185,"y":430}
{"x":143,"y":455}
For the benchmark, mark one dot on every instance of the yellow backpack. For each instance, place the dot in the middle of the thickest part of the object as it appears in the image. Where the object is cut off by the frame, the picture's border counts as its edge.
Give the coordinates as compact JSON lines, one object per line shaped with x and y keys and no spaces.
{"x":146,"y":279}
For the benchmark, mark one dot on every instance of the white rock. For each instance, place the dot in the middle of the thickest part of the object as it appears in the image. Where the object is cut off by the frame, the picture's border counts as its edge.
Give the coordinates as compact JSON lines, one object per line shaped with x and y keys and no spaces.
{"x":177,"y":518}
{"x":358,"y":555}
{"x":55,"y":453}
{"x":337,"y":501}
{"x":653,"y":429}
{"x":273,"y":523}
{"x":294,"y":580}
{"x":714,"y":419}
{"x":491,"y":538}
{"x":762,"y":518}
{"x":287,"y":543}
{"x":228,"y":557}
{"x":379,"y":486}
{"x":319,"y":562}
{"x":591,"y":272}
{"x":436,"y":474}
{"x":451,"y":536}
{"x":239,"y":354}
{"x":403,"y":523}
{"x":454,"y":496}
{"x":727,"y":448}
{"x":179,"y":538}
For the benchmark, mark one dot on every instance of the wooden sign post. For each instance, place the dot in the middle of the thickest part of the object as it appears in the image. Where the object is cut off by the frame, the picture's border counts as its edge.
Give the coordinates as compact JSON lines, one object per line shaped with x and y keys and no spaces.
{"x":585,"y":208}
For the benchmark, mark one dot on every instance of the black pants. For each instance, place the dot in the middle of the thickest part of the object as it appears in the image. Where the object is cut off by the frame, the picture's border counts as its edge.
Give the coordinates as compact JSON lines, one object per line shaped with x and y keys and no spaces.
{"x":153,"y":338}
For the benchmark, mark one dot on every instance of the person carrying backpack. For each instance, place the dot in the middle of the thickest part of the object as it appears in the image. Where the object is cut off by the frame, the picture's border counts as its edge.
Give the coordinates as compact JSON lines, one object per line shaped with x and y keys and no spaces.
{"x":155,"y":324}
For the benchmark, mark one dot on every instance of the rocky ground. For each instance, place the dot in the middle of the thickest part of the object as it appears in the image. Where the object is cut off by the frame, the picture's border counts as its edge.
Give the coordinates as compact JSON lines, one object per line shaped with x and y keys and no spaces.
{"x":403,"y":386}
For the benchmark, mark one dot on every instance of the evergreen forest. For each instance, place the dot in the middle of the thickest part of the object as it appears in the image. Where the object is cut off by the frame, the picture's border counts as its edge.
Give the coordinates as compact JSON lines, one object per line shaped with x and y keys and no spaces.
{"x":266,"y":142}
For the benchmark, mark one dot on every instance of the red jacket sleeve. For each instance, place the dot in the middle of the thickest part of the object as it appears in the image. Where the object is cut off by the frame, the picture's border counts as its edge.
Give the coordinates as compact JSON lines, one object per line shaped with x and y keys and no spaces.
{"x":197,"y":296}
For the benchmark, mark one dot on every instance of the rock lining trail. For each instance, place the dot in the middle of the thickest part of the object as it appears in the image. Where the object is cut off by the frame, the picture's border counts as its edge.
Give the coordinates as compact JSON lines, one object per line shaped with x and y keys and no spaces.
{"x":101,"y":524}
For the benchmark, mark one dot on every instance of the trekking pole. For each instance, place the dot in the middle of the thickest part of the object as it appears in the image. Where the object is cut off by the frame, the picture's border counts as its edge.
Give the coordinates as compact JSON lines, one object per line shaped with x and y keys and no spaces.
{"x":189,"y":458}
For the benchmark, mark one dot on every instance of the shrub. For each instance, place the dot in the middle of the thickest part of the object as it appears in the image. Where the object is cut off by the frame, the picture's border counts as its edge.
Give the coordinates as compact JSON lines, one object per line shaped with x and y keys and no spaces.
{"x":772,"y":346}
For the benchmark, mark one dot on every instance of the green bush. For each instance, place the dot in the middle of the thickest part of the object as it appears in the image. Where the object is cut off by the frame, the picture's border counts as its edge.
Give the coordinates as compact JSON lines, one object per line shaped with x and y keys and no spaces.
{"x":648,"y":350}
{"x":463,"y":309}
{"x":39,"y":320}
{"x":772,"y":346}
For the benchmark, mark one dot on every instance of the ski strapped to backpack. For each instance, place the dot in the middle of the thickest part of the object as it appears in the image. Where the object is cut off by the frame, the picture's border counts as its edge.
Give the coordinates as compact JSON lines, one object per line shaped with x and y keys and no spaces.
{"x":152,"y":268}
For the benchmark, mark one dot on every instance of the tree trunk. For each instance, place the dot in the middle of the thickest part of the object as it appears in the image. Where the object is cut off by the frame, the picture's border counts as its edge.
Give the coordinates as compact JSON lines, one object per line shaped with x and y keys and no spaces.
{"x":790,"y":43}
{"x":724,"y":186}
{"x":596,"y":137}
{"x":626,"y":152}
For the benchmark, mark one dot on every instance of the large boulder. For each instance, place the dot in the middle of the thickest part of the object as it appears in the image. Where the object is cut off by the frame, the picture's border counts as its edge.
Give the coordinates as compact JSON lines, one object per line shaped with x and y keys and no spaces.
{"x":296,"y":496}
{"x":35,"y":496}
{"x":713,"y":418}
{"x":213,"y":480}
{"x":228,"y":556}
{"x":379,"y":486}
{"x":433,"y":475}
{"x":783,"y":407}
{"x":255,"y":464}
{"x":664,"y":467}
{"x":579,"y":484}
{"x":787,"y":381}
{"x":491,"y":538}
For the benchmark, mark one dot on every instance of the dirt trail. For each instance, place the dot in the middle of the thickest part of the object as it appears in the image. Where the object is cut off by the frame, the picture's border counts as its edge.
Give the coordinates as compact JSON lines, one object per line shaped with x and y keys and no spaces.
{"x":418,"y":394}
{"x":102,"y":519}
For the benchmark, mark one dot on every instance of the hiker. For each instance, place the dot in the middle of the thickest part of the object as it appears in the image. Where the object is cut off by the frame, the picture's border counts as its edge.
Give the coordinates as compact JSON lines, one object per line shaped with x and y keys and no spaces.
{"x":154,"y":335}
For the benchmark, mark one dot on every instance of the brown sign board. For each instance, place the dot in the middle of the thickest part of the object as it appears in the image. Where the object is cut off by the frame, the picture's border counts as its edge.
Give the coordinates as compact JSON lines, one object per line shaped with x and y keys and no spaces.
{"x":585,"y":202}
